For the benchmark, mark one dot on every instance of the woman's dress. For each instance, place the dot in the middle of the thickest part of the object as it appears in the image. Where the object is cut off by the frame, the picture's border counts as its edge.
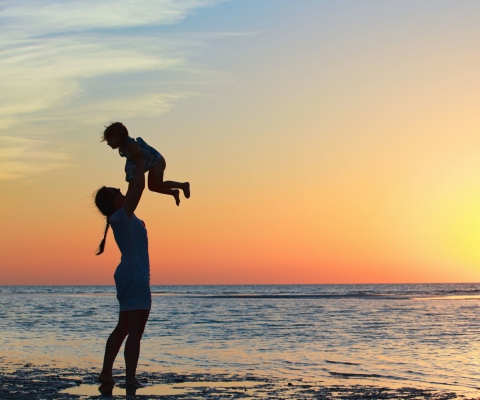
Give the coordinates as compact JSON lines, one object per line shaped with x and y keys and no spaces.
{"x":132,"y":276}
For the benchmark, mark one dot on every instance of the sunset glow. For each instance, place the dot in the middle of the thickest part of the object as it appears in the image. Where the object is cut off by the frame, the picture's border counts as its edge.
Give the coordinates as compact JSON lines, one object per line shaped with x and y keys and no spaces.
{"x":325,"y":142}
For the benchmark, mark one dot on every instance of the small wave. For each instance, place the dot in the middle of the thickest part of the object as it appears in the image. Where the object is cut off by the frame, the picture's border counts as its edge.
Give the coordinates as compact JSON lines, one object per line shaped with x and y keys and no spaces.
{"x":357,"y":375}
{"x":341,"y":362}
{"x":450,"y":297}
{"x":292,"y":296}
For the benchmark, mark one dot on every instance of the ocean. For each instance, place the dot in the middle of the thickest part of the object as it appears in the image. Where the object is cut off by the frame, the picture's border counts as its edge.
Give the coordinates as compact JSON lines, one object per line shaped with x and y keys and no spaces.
{"x":405,"y":334}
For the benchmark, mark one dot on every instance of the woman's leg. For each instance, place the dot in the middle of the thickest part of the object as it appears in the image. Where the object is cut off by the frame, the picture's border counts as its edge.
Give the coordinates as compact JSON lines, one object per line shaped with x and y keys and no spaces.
{"x":156,"y":183}
{"x":114,"y":343}
{"x":137,"y":320}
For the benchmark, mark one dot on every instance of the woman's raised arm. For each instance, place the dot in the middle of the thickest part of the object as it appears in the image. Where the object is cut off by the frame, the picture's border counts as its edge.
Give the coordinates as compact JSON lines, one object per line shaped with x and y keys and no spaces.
{"x":135,"y":186}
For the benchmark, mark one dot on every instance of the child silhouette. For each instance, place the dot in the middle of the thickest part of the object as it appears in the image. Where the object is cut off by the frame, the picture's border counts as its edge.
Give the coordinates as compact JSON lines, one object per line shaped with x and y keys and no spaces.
{"x":117,"y":137}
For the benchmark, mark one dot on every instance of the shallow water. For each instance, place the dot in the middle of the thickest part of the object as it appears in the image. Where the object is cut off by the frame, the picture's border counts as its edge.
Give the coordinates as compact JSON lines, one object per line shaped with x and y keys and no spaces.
{"x":161,"y":390}
{"x":425,"y":334}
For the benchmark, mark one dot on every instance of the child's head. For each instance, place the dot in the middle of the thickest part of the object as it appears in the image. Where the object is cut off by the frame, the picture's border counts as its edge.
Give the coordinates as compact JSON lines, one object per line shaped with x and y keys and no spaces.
{"x":115,"y":134}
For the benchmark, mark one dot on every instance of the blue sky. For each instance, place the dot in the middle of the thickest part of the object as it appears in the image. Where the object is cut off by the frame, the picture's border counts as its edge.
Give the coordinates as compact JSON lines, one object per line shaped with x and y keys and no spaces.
{"x":87,"y":63}
{"x":84,"y":63}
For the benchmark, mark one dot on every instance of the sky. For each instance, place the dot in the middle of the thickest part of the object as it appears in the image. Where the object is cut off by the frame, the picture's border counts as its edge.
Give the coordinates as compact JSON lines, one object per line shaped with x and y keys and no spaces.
{"x":325,"y":141}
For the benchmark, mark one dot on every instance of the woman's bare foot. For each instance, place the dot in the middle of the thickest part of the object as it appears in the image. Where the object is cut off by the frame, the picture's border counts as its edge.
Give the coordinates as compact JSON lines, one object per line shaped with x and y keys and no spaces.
{"x":105,"y":389}
{"x":133,"y":383}
{"x":176,"y":194}
{"x":186,"y":190}
{"x":106,"y":379}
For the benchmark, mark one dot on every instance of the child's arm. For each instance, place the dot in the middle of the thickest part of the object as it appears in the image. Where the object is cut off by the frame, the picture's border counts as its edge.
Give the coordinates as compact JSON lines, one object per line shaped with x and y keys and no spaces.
{"x":135,"y":186}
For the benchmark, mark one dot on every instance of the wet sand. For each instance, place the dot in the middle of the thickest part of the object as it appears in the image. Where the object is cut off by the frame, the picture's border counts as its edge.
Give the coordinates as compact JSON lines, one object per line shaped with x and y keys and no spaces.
{"x":27,"y":381}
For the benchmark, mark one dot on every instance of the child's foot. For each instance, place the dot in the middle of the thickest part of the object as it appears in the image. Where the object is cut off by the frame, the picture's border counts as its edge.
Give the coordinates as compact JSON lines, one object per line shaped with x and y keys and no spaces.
{"x":176,"y":194}
{"x":186,"y":190}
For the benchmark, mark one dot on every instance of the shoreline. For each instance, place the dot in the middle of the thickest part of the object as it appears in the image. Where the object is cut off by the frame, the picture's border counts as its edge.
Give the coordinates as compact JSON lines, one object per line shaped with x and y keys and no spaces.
{"x":20,"y":381}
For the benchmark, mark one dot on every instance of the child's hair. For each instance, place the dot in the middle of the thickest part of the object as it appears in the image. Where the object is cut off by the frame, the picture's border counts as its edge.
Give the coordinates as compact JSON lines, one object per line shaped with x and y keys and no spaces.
{"x":104,"y":202}
{"x":115,"y":128}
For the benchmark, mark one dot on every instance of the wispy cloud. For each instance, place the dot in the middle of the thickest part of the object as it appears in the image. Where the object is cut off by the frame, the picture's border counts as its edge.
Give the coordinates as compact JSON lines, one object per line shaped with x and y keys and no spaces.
{"x":40,"y":75}
{"x":144,"y":105}
{"x":50,"y":50}
{"x":21,"y":157}
{"x":26,"y":18}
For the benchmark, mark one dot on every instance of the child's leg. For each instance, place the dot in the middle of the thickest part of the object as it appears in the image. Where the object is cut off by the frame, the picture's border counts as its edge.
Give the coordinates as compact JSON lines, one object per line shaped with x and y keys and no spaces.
{"x":156,"y":183}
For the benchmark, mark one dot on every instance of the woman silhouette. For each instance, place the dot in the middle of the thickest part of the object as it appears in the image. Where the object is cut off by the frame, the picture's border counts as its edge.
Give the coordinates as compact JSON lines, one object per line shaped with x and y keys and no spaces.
{"x":132,"y":276}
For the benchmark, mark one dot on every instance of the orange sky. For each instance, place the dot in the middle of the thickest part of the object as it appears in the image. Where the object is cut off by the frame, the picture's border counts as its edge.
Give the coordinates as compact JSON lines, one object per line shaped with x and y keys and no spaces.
{"x":326,"y":142}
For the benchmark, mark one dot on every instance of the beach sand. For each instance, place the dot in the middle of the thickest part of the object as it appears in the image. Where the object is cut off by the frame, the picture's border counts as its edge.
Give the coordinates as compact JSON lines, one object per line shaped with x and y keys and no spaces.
{"x":28,"y":381}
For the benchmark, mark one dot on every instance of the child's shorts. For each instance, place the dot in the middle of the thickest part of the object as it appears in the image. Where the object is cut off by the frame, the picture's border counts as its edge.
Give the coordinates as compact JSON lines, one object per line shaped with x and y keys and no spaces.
{"x":150,"y":158}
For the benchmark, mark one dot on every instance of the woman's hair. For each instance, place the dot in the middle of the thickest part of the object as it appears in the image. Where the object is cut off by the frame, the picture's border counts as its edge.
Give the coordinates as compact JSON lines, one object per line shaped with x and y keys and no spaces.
{"x":116,"y":128}
{"x":104,"y":202}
